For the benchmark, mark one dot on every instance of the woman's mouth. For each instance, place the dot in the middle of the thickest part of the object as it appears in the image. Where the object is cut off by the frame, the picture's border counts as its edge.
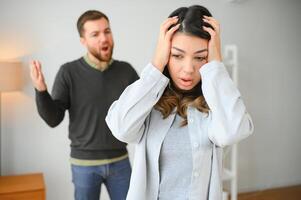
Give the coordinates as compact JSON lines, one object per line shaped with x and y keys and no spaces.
{"x":186,"y":82}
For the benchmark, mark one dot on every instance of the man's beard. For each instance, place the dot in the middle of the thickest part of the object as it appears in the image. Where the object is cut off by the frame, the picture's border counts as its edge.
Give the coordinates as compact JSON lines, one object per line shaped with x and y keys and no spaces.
{"x":101,"y":57}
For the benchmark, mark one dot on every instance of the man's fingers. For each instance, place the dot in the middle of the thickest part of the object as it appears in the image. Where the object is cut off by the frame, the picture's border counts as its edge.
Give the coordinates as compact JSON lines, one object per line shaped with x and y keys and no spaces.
{"x":38,"y":65}
{"x":39,"y":69}
{"x":33,"y":70}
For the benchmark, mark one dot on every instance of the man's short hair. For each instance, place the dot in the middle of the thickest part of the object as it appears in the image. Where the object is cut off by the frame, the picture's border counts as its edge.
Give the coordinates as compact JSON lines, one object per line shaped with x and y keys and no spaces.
{"x":87,"y":16}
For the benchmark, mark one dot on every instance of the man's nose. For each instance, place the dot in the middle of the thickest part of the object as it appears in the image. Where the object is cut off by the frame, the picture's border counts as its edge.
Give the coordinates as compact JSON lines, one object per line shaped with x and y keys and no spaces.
{"x":102,"y":38}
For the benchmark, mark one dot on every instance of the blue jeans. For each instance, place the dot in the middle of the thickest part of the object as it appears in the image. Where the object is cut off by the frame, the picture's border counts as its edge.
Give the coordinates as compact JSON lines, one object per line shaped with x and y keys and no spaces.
{"x":87,"y":180}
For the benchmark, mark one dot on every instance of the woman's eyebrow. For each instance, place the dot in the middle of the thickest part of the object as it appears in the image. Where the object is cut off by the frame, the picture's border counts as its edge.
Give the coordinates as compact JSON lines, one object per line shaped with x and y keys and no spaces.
{"x":201,"y":51}
{"x":181,"y":50}
{"x":176,"y":48}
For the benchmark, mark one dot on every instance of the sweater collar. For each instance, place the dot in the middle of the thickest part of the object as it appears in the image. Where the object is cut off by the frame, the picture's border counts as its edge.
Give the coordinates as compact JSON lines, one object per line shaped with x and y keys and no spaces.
{"x":93,"y":65}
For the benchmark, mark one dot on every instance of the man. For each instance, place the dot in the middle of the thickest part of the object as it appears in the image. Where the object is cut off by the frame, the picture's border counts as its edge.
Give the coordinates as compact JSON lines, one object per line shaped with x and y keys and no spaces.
{"x":86,"y":88}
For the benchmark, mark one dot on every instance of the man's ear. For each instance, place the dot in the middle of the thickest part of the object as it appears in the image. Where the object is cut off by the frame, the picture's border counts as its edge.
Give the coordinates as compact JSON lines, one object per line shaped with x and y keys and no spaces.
{"x":83,"y":41}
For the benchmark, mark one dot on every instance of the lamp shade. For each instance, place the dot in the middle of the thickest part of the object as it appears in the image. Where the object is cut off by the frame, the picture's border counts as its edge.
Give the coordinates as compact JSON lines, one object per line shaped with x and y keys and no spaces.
{"x":10,"y":76}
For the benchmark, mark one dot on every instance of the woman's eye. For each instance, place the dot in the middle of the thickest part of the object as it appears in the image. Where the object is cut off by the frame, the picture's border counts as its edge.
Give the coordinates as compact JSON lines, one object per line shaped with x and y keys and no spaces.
{"x":177,"y":56}
{"x":200,"y":58}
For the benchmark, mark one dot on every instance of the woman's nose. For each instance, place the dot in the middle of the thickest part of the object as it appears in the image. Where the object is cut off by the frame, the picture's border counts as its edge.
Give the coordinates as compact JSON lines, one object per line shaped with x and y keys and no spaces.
{"x":188,"y":67}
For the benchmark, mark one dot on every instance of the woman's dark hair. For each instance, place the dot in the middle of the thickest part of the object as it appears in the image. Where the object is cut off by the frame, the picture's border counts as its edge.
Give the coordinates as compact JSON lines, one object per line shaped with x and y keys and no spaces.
{"x":191,"y":20}
{"x":191,"y":23}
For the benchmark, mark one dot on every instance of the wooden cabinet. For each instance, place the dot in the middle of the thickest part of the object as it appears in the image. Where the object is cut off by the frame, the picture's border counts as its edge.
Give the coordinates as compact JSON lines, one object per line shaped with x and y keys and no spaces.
{"x":25,"y":187}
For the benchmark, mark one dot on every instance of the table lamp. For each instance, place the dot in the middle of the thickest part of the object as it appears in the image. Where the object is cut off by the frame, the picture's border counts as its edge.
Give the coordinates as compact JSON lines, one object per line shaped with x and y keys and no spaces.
{"x":10,"y":80}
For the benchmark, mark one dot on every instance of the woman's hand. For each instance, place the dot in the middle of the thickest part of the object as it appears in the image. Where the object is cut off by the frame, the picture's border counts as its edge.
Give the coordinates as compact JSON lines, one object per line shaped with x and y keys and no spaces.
{"x":214,"y":45}
{"x":37,"y":76}
{"x":162,"y":53}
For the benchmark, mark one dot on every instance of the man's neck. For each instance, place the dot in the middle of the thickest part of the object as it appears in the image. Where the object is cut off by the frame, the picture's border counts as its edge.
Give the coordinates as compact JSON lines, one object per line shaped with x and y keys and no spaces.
{"x":99,"y":64}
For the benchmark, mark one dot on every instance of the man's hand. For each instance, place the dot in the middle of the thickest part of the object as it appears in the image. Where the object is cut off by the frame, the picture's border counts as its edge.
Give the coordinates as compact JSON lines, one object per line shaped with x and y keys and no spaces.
{"x":37,"y":76}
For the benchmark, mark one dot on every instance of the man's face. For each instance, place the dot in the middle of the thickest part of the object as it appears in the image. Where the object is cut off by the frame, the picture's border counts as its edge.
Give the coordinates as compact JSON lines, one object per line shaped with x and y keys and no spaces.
{"x":98,"y":39}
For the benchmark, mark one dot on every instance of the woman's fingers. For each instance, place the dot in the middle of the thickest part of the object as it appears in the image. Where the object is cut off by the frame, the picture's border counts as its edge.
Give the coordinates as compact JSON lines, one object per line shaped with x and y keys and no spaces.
{"x":168,"y":20}
{"x":213,"y":22}
{"x":171,"y":31}
{"x":168,"y":23}
{"x":214,"y":42}
{"x":215,"y":29}
{"x":210,"y":31}
{"x":162,"y":52}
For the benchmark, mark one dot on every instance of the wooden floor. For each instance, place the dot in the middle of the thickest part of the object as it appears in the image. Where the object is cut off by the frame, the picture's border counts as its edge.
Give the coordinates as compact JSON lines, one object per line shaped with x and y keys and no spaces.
{"x":287,"y":193}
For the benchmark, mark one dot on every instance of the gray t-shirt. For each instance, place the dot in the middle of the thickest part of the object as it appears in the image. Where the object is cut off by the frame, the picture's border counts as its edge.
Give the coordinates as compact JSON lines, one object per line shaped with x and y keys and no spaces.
{"x":175,"y":163}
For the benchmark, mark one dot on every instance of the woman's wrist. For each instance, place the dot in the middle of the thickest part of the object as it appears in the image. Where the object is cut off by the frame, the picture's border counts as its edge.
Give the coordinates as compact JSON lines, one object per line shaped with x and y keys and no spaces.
{"x":158,"y":65}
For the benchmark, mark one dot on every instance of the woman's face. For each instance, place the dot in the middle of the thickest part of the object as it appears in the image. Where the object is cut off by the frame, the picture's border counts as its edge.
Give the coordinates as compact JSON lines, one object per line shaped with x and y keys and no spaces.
{"x":188,"y":54}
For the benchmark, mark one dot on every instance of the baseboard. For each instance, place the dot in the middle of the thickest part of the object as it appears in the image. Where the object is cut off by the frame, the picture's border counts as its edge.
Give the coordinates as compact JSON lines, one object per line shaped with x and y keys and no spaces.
{"x":283,"y":193}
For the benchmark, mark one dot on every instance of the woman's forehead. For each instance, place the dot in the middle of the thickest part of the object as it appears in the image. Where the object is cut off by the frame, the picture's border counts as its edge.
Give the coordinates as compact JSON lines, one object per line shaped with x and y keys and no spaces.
{"x":188,"y":43}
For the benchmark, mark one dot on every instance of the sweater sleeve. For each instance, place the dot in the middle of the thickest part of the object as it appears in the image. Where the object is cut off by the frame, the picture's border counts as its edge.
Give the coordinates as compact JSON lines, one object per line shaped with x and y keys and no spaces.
{"x":135,"y":76}
{"x":52,"y":108}
{"x":127,"y":116}
{"x":230,"y":121}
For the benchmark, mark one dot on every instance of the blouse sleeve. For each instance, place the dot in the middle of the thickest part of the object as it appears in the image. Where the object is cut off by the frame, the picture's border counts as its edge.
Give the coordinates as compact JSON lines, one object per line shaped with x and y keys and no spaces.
{"x":230,"y":121}
{"x":127,"y":117}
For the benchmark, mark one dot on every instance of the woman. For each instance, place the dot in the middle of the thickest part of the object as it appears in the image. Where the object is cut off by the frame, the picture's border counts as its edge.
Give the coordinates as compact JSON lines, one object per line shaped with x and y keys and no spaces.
{"x":181,"y":112}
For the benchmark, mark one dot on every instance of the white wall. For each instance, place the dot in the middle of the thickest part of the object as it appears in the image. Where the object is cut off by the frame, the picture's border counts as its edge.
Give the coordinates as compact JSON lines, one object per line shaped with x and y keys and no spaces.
{"x":266,"y":32}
